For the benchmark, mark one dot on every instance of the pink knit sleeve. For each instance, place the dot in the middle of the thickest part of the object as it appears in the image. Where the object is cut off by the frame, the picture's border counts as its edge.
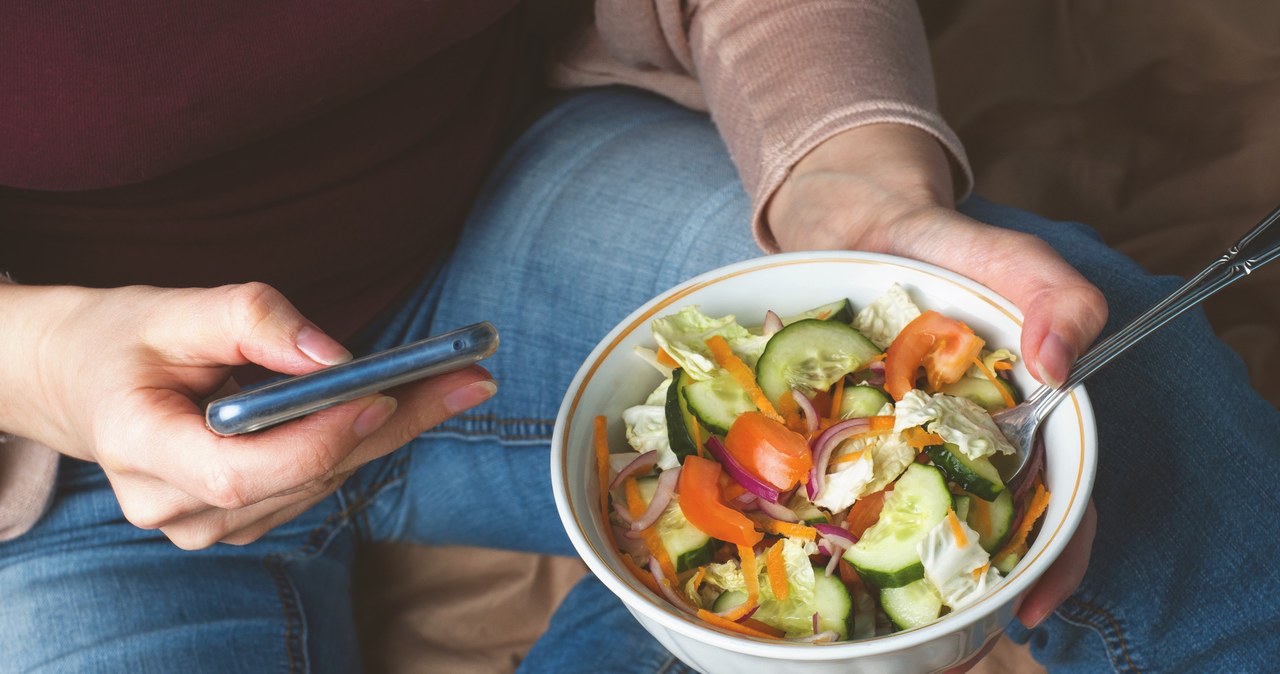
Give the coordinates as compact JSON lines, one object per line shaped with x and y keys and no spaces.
{"x":778,"y":76}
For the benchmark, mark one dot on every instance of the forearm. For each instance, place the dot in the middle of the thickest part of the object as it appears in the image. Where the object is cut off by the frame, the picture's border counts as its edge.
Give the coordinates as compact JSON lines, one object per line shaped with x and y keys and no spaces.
{"x":30,"y":316}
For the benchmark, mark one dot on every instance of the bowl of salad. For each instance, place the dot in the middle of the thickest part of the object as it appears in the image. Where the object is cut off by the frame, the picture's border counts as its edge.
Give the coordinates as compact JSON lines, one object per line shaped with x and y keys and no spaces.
{"x":791,"y":460}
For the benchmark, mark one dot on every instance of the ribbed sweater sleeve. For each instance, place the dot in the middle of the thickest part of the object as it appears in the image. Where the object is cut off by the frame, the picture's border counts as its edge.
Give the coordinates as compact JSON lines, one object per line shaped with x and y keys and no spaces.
{"x":778,"y":77}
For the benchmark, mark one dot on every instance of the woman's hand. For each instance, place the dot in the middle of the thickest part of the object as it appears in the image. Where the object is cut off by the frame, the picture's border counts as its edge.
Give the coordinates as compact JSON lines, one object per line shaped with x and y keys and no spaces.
{"x":119,"y":377}
{"x":887,"y":188}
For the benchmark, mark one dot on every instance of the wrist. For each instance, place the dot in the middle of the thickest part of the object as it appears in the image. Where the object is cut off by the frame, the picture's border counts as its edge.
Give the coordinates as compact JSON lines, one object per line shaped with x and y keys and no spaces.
{"x":852,"y":187}
{"x":29,"y":316}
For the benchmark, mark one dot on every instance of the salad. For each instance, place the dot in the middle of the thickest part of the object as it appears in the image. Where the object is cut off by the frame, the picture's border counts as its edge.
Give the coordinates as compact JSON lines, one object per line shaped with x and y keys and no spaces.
{"x":824,"y":477}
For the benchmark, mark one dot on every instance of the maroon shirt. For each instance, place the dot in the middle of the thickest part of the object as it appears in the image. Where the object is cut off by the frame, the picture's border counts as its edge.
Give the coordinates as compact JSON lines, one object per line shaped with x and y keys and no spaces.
{"x":328,"y":148}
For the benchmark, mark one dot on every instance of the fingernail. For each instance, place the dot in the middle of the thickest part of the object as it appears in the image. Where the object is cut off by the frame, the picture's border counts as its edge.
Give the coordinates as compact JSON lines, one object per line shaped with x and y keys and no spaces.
{"x":321,"y":347}
{"x":469,"y":396}
{"x":1035,"y":622}
{"x":374,"y":416}
{"x":1054,"y":359}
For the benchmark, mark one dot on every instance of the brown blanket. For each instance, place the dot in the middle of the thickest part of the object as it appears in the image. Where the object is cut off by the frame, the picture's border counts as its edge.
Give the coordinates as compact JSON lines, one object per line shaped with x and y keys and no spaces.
{"x":1152,"y":120}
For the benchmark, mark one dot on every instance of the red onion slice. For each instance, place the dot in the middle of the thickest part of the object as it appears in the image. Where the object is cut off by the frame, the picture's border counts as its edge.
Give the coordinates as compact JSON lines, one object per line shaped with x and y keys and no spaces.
{"x":661,"y":497}
{"x":632,"y":546}
{"x":825,"y":445}
{"x":739,"y":474}
{"x":667,"y":592}
{"x":834,"y":562}
{"x":777,"y":511}
{"x":806,"y":409}
{"x":819,"y":638}
{"x":837,"y":532}
{"x":772,"y":324}
{"x":622,"y":512}
{"x":640,"y":463}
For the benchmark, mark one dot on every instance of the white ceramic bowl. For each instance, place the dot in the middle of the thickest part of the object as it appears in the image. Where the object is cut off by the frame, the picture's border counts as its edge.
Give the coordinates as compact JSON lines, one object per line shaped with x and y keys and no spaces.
{"x":613,"y":378}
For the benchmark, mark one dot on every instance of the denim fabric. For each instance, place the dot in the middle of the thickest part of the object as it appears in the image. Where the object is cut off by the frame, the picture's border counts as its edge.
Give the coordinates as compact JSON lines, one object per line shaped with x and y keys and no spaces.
{"x":608,"y":199}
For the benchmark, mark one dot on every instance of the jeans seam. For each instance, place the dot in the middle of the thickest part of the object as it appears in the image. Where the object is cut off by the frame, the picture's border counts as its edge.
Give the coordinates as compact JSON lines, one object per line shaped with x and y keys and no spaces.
{"x":317,"y":539}
{"x":667,"y":666}
{"x":1109,"y":629}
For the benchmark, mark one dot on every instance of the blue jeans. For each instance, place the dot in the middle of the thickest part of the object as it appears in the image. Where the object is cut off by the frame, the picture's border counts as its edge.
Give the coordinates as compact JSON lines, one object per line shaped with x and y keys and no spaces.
{"x":608,"y":199}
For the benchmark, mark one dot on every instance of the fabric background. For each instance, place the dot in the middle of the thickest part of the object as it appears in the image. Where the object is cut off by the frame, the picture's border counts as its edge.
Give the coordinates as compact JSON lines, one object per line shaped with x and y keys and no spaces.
{"x":1150,"y":120}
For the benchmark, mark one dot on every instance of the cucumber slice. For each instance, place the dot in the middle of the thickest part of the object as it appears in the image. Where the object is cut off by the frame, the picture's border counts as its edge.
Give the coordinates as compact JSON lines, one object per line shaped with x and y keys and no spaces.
{"x":831,"y":598}
{"x":680,"y":422}
{"x":717,"y":402}
{"x":687,"y":546}
{"x":886,"y":555}
{"x":913,"y":605}
{"x":960,"y":503}
{"x":861,"y":401}
{"x":981,"y":391}
{"x":840,"y":310}
{"x":835,"y":606}
{"x":993,"y":521}
{"x":1005,"y":564}
{"x":976,"y":476}
{"x":810,"y":355}
{"x":728,"y":600}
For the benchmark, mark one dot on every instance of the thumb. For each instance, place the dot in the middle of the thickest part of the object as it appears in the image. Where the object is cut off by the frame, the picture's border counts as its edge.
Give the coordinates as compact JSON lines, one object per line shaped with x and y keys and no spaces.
{"x":1063,"y":311}
{"x":238,"y":325}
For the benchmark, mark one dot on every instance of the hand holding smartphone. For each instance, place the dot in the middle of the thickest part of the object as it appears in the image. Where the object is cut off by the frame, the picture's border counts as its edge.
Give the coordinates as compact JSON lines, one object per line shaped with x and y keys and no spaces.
{"x":298,"y":396}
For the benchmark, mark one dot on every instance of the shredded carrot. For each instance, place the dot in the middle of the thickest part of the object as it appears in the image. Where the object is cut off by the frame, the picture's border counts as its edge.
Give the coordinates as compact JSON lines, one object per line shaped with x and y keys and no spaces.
{"x":882,"y":423}
{"x":767,"y":629}
{"x":732,"y":626}
{"x":726,"y":359}
{"x":751,"y":574}
{"x":790,"y":411}
{"x":1002,"y":365}
{"x":696,"y":583}
{"x":665,"y":358}
{"x":791,"y":529}
{"x":837,"y":395}
{"x":640,"y":574}
{"x":877,"y":357}
{"x":980,"y":509}
{"x":918,"y":438}
{"x":981,"y":570}
{"x":636,"y":506}
{"x":1039,"y":503}
{"x":697,"y":438}
{"x":995,"y":381}
{"x":849,"y":458}
{"x":962,"y":539}
{"x":777,"y":569}
{"x":601,"y":440}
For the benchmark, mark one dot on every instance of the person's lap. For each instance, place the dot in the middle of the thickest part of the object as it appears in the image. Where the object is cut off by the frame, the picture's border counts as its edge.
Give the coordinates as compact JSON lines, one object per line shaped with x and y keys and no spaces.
{"x":609,"y":199}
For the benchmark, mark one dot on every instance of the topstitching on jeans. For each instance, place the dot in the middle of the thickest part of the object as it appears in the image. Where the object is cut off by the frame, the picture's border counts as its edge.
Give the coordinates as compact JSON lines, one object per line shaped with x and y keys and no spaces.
{"x":1092,"y":616}
{"x":505,"y":429}
{"x":317,"y":540}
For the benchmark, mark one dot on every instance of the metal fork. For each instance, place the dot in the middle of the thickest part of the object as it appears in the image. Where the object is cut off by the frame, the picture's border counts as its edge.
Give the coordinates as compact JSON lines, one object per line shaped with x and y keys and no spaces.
{"x":1256,"y":248}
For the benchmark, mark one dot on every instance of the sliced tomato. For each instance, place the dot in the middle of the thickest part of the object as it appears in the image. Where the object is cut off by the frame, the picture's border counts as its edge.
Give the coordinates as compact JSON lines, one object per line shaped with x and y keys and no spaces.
{"x":700,"y":501}
{"x":865,"y":512}
{"x":769,"y":450}
{"x":944,"y":346}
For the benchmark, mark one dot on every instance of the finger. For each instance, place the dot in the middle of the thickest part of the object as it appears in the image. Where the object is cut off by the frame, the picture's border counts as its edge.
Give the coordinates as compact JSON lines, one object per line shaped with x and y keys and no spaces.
{"x":1063,"y":311}
{"x":244,"y":535}
{"x":237,"y":325}
{"x":424,"y":405}
{"x":235,"y":472}
{"x":213,"y":525}
{"x":1063,"y":576}
{"x":977,"y":657}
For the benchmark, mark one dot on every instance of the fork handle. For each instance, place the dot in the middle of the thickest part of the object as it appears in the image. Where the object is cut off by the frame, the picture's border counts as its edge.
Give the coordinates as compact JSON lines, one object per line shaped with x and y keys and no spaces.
{"x":1257,"y":247}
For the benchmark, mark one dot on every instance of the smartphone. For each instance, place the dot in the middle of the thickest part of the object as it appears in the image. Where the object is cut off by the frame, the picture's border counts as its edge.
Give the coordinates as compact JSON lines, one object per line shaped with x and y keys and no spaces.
{"x":298,"y":396}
